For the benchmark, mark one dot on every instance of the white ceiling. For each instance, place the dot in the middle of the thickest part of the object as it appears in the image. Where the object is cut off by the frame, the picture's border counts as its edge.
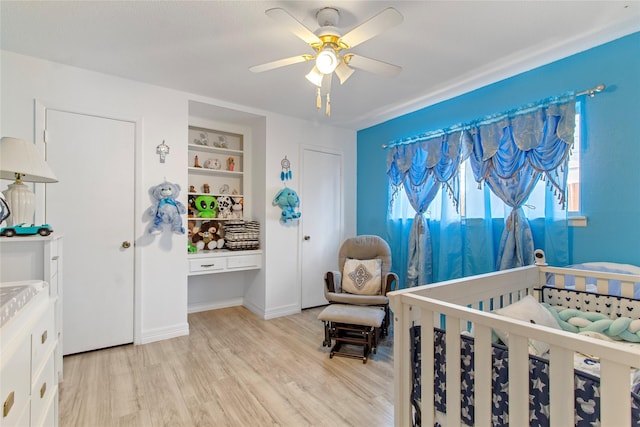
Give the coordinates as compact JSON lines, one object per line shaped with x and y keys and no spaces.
{"x":444,"y":47}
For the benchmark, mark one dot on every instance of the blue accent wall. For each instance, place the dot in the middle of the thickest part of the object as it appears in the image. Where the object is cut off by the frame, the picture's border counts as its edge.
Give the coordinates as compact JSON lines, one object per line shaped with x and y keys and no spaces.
{"x":610,"y":164}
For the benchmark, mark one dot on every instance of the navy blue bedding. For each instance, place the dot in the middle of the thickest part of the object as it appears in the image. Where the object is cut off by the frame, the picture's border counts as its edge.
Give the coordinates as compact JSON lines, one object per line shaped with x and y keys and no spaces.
{"x":586,"y":395}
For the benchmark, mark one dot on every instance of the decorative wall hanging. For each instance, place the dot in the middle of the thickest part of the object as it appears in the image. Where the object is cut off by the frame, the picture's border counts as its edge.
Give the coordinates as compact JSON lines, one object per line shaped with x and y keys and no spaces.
{"x":162,"y":150}
{"x":166,"y":209}
{"x":287,"y":199}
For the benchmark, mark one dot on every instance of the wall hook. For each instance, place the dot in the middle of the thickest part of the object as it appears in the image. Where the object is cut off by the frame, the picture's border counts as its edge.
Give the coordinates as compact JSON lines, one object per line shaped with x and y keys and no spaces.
{"x":162,"y":150}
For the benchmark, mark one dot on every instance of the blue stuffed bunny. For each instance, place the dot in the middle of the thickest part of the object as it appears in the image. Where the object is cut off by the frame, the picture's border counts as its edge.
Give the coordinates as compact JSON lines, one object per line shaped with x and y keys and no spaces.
{"x":167,"y":209}
{"x":288,"y":200}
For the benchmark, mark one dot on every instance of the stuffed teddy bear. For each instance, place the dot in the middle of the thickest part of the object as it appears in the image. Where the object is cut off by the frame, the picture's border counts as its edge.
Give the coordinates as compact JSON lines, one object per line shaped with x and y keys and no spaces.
{"x":288,"y":200}
{"x":167,"y":209}
{"x":208,"y":236}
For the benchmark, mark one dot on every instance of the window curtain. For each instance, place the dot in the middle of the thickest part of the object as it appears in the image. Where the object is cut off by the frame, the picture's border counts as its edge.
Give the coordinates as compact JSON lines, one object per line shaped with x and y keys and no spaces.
{"x":421,"y":169}
{"x":502,"y":221}
{"x":510,"y":154}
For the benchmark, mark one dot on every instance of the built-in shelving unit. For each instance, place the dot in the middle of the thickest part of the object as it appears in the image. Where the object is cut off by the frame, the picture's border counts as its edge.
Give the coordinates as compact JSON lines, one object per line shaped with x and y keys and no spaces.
{"x":217,"y":174}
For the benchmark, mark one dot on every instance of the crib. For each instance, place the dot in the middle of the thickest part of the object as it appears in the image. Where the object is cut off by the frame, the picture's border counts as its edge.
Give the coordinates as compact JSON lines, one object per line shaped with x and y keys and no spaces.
{"x":451,"y":311}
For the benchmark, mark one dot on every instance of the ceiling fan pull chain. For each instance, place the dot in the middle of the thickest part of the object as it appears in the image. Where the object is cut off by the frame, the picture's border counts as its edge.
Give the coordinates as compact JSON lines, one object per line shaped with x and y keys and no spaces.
{"x":318,"y":99}
{"x":328,"y":108}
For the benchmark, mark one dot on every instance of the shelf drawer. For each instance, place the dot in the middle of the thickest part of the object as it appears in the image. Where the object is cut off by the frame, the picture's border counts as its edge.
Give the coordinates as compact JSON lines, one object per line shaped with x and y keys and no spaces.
{"x":207,"y":264}
{"x":15,"y":382}
{"x":244,"y":261}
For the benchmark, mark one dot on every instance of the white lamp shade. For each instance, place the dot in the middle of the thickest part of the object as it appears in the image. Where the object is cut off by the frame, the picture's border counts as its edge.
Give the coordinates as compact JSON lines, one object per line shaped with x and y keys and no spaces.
{"x":343,"y":71}
{"x":20,"y":156}
{"x":315,"y":76}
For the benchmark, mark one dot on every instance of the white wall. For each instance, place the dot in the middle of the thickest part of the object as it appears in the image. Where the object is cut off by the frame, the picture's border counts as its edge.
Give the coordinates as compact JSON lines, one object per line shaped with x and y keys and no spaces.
{"x":282,"y":267}
{"x":161,"y":270}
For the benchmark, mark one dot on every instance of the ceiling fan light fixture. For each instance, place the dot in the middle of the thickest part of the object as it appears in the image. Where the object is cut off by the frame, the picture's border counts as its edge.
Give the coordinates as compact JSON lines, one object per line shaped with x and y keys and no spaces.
{"x":315,"y":76}
{"x":343,"y":71}
{"x":327,"y":60}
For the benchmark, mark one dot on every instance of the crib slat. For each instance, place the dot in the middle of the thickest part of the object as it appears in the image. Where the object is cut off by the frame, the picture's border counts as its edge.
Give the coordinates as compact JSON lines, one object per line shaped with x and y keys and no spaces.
{"x":427,"y":366}
{"x":482,"y":376}
{"x":559,"y":281}
{"x":627,"y":289}
{"x":402,"y":373}
{"x":560,"y":386}
{"x":615,"y":404}
{"x":602,"y":286}
{"x":518,"y":381}
{"x":581,"y":283}
{"x":452,"y":358}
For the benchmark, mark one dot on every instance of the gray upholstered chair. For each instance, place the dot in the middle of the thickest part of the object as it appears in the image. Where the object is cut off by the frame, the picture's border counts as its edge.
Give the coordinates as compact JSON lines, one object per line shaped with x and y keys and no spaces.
{"x":365,"y":247}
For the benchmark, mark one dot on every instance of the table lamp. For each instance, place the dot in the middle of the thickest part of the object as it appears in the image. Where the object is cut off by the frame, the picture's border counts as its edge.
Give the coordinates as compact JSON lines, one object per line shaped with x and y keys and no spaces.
{"x":20,"y":160}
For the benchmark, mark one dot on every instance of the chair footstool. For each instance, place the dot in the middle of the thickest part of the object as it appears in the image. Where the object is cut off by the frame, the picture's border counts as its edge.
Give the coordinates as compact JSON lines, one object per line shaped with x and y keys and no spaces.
{"x":352,"y":324}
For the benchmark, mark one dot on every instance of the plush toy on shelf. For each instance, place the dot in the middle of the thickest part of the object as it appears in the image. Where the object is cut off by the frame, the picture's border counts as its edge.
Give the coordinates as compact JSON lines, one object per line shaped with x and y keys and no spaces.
{"x":207,"y":237}
{"x":166,"y":209}
{"x":224,"y":207}
{"x":207,"y":206}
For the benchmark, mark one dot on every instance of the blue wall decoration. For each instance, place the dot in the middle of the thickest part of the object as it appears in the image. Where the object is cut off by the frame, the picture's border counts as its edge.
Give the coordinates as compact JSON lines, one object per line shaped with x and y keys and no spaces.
{"x":287,"y":199}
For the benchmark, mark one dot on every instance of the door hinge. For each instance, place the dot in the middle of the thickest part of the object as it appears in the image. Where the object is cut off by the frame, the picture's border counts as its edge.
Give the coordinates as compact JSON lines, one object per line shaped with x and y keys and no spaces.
{"x":45,"y":135}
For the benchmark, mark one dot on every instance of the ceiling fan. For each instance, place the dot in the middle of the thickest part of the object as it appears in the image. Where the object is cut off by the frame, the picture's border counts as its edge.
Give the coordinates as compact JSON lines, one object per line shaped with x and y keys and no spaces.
{"x":331,"y":48}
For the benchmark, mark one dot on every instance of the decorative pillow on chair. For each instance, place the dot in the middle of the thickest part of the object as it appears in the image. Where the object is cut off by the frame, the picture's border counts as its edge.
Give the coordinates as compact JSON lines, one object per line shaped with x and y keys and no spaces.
{"x":362,"y":276}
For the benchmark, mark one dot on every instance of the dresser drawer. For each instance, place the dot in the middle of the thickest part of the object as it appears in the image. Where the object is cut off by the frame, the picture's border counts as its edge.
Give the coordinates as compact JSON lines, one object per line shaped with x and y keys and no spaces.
{"x":15,"y":382}
{"x":43,"y":338}
{"x":43,"y":391}
{"x":243,"y":261}
{"x":207,"y":264}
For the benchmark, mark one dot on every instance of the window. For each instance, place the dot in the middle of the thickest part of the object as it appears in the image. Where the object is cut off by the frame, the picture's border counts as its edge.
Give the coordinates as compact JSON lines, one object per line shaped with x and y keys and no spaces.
{"x":474,"y":204}
{"x":573,"y":180}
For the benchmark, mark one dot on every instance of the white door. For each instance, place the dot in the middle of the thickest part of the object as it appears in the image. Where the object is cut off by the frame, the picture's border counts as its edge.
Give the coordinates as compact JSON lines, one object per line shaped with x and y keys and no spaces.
{"x":92,"y":205}
{"x":321,"y":207}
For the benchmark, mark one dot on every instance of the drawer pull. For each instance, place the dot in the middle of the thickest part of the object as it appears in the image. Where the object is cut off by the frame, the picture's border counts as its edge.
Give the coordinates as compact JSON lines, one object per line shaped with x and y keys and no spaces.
{"x":43,"y":390}
{"x":207,"y":265}
{"x":55,"y":257}
{"x":44,"y":336}
{"x":8,"y":404}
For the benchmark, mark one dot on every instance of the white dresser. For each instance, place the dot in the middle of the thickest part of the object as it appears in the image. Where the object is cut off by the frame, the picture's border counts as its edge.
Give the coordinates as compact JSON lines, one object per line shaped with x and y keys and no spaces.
{"x":36,"y":258}
{"x":28,"y":339}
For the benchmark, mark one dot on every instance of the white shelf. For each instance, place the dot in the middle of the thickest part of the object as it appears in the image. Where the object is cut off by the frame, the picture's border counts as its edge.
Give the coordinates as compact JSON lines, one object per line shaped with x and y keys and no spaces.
{"x":214,"y":194}
{"x":216,"y":172}
{"x":218,"y":150}
{"x":212,"y":219}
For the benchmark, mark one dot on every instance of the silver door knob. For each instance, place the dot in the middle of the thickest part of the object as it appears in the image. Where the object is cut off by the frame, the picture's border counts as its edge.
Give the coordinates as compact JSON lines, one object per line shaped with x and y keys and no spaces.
{"x":126,"y":244}
{"x":307,"y":237}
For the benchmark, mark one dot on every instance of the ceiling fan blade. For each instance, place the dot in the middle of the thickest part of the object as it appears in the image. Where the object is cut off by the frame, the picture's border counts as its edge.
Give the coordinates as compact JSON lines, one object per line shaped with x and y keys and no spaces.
{"x":280,"y":63}
{"x":381,"y":22}
{"x":373,"y":66}
{"x":293,"y":25}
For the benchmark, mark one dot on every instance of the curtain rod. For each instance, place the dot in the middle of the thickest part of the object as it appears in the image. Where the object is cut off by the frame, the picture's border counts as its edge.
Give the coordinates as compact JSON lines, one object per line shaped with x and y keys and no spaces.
{"x":590,"y":92}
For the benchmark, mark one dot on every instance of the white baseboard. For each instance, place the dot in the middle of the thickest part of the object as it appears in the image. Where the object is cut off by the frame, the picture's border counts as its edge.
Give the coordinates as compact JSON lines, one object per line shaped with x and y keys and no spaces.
{"x":281,"y":311}
{"x":198,"y":307}
{"x":160,"y":334}
{"x":258,"y":311}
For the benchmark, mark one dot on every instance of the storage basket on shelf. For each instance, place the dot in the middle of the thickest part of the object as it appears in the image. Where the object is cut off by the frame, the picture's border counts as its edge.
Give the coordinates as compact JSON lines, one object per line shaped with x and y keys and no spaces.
{"x":242,"y":235}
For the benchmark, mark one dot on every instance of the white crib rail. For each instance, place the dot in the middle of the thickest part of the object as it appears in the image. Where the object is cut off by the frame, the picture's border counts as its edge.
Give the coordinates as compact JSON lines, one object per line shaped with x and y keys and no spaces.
{"x":428,"y":305}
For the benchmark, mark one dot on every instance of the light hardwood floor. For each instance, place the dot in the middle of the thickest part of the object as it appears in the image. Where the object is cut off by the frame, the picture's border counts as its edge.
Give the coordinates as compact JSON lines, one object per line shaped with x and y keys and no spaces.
{"x":234,"y":369}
